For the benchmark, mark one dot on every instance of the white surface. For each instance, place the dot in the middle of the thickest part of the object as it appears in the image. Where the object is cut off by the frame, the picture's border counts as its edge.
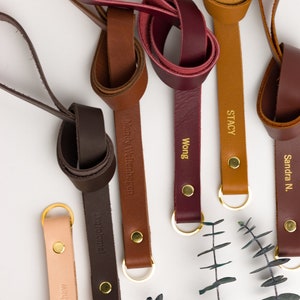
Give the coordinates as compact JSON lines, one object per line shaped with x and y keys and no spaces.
{"x":30,"y":177}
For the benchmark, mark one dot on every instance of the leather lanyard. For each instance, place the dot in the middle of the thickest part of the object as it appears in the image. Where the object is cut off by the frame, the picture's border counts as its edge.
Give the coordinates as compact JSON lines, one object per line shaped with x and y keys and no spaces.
{"x":278,"y":107}
{"x":59,"y":252}
{"x":199,"y":52}
{"x":85,"y":153}
{"x":234,"y":180}
{"x":119,"y":77}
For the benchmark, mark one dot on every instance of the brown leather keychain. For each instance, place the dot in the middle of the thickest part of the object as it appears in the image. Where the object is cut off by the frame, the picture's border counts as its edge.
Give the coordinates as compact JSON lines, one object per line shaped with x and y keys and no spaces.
{"x":234,"y":178}
{"x":278,"y":107}
{"x":86,"y":155}
{"x":119,"y":77}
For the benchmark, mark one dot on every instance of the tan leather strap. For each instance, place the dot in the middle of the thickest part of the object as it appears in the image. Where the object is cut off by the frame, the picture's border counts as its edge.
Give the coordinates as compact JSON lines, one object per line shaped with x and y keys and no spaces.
{"x":278,"y":107}
{"x":59,"y":253}
{"x":226,"y":15}
{"x":119,"y":77}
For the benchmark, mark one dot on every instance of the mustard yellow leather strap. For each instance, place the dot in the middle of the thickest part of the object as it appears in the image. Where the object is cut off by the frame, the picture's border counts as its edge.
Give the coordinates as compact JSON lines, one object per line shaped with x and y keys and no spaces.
{"x":226,"y":16}
{"x":59,"y":253}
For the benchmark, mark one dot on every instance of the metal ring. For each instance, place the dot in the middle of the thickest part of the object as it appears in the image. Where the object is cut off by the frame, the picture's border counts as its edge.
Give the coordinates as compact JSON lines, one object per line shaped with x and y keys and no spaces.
{"x":283,"y":266}
{"x":55,"y":205}
{"x":186,"y":233}
{"x":220,"y":196}
{"x":138,"y":280}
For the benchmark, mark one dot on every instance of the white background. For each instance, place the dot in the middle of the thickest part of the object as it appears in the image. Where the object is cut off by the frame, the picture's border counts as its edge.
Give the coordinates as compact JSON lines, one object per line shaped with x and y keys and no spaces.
{"x":31,"y":179}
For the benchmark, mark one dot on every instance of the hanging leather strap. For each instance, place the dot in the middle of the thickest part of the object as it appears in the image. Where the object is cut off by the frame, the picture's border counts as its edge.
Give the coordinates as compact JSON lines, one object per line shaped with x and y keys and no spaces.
{"x":85,"y":153}
{"x":119,"y":77}
{"x":278,"y":107}
{"x":199,"y":52}
{"x":59,"y":253}
{"x":226,"y":16}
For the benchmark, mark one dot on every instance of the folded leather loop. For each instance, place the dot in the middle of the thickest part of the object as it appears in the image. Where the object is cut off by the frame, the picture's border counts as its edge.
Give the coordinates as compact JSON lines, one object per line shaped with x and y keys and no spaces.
{"x":226,"y":15}
{"x":85,"y":153}
{"x":199,"y":53}
{"x":119,"y":77}
{"x":85,"y":145}
{"x":59,"y":254}
{"x":278,"y":107}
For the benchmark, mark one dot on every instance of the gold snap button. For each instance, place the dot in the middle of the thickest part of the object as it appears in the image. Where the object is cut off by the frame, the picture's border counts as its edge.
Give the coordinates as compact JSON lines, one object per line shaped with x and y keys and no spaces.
{"x":188,"y":190}
{"x":105,"y":287}
{"x":137,"y":237}
{"x":234,"y":162}
{"x":58,"y":247}
{"x":290,"y":225}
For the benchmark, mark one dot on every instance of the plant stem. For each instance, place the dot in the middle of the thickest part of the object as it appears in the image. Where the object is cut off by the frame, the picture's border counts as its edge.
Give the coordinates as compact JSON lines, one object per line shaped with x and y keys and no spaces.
{"x":266,"y":257}
{"x":215,"y":259}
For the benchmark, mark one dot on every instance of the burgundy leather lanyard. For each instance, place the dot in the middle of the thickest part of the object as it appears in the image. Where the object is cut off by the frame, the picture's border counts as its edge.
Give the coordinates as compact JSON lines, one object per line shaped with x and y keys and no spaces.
{"x":199,"y":53}
{"x":278,"y":107}
{"x":85,"y":153}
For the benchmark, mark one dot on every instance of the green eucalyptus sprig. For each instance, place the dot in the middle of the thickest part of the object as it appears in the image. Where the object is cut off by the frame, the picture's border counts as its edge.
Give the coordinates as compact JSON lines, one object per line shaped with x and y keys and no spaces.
{"x":159,"y":297}
{"x":272,"y":281}
{"x":215,"y":266}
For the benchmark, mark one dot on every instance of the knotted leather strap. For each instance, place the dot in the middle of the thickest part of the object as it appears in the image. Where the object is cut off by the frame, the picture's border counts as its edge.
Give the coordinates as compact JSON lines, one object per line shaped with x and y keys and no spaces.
{"x":119,"y":77}
{"x":59,"y":254}
{"x":226,"y":16}
{"x":85,"y":153}
{"x":199,"y":52}
{"x":278,"y":107}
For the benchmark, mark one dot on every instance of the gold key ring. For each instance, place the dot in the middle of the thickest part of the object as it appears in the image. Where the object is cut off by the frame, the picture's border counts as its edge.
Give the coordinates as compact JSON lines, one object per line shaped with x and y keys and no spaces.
{"x":186,"y":233}
{"x":276,"y":252}
{"x":231,"y":207}
{"x":136,"y":279}
{"x":57,"y":205}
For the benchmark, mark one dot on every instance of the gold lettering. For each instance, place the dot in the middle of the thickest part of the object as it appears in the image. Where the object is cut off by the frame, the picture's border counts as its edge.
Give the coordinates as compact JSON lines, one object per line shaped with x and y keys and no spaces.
{"x":288,"y":172}
{"x":185,"y":144}
{"x":231,"y":122}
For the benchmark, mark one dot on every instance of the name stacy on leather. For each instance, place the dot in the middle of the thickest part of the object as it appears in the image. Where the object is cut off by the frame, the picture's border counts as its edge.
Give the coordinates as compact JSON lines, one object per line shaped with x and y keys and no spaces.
{"x":288,"y":172}
{"x":231,"y":122}
{"x":185,"y":144}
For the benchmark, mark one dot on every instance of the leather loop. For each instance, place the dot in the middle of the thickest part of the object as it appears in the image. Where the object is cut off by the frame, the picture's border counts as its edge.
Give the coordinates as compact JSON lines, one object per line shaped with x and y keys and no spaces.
{"x":97,"y":171}
{"x":60,"y":255}
{"x":119,"y":77}
{"x":234,"y":169}
{"x":278,"y":107}
{"x":86,"y":155}
{"x":225,"y":12}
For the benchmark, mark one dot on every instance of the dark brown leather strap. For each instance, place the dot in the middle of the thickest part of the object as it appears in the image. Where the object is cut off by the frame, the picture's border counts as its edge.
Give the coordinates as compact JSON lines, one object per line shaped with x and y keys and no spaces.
{"x":278,"y":107}
{"x":234,"y":179}
{"x":85,"y":153}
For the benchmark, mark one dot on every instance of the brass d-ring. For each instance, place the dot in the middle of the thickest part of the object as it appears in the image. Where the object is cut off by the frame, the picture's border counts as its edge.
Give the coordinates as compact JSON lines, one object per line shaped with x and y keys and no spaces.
{"x":186,"y":233}
{"x":141,"y":279}
{"x":283,"y":266}
{"x":55,"y":205}
{"x":221,"y":196}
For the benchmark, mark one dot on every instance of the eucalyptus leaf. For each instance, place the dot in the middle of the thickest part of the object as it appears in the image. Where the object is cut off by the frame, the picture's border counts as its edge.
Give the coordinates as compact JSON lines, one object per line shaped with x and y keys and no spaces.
{"x":274,"y":281}
{"x":264,"y":250}
{"x":285,"y":296}
{"x":248,"y":244}
{"x":278,"y":262}
{"x":263,"y":234}
{"x":205,"y":252}
{"x":221,"y":245}
{"x":215,"y":266}
{"x":249,"y":230}
{"x":217,"y":283}
{"x":215,"y":233}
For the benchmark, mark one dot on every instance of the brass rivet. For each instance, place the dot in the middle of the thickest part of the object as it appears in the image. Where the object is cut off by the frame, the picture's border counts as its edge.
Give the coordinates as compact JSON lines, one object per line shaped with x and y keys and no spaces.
{"x":188,"y":190}
{"x":290,"y":225}
{"x":105,"y":287}
{"x":234,"y":162}
{"x":58,"y":247}
{"x":137,"y":237}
